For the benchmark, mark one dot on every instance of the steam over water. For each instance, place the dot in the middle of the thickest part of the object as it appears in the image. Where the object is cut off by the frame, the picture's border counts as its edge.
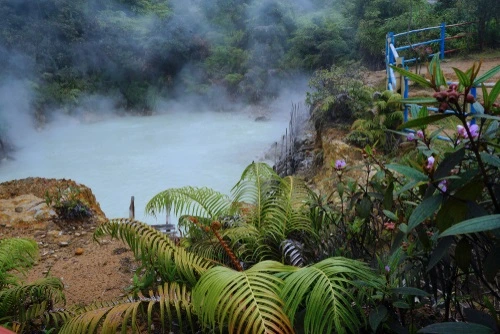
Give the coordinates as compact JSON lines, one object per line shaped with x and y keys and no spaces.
{"x":141,"y":156}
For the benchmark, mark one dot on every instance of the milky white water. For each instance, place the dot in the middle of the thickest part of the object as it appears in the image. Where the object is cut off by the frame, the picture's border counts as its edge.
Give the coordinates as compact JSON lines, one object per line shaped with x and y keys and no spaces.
{"x":141,"y":156}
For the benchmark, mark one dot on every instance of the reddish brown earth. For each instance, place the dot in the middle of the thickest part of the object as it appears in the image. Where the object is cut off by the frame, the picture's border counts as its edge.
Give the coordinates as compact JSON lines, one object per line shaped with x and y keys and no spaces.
{"x":90,"y":271}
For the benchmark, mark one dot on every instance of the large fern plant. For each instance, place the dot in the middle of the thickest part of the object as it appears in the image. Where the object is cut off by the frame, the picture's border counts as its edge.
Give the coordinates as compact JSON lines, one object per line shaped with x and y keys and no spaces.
{"x":269,"y":297}
{"x":263,"y":212}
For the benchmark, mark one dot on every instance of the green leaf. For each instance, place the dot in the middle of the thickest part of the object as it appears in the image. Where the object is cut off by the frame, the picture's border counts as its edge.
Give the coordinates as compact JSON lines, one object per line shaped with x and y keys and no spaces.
{"x":487,"y":75}
{"x":491,"y":264}
{"x":495,"y":91}
{"x":401,"y":304}
{"x":409,"y":291}
{"x":449,"y":163}
{"x":438,"y":252}
{"x":456,"y":328}
{"x":490,"y":159}
{"x":426,"y":209}
{"x":424,"y":121}
{"x":417,"y":100}
{"x":390,"y":215}
{"x":409,"y":172}
{"x":486,"y":116}
{"x":463,"y":254}
{"x":388,"y":196}
{"x":412,"y":76}
{"x":462,"y":77}
{"x":377,"y":316}
{"x":474,"y":225}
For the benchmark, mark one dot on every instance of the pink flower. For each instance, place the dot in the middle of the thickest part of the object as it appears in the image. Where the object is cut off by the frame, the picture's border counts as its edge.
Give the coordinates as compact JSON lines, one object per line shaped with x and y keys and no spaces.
{"x":410,"y":136}
{"x":387,"y":269}
{"x":474,"y":130}
{"x":420,"y":134}
{"x":430,"y":162}
{"x":340,"y":164}
{"x":389,"y":226}
{"x":443,"y":185}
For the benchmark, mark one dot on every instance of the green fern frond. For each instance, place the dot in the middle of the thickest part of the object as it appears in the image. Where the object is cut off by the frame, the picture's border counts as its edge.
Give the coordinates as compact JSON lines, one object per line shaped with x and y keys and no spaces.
{"x":247,"y":301}
{"x":156,"y":250}
{"x":168,"y":306}
{"x":40,"y":294}
{"x":192,"y":201}
{"x":256,"y":184}
{"x":15,"y":254}
{"x":330,"y":293}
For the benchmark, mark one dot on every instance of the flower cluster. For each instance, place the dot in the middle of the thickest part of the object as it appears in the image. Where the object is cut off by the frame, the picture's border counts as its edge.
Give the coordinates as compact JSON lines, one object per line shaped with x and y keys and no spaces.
{"x":462,"y":132}
{"x":430,"y":163}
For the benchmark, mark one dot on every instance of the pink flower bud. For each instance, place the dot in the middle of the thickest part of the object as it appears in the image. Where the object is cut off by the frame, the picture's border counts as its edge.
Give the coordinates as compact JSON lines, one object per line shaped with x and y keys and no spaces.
{"x":340,"y":164}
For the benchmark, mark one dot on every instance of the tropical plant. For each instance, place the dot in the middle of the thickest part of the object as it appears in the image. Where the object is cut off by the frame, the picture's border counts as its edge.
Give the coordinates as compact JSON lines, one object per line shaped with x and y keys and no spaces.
{"x":264,"y":212}
{"x":370,"y":129}
{"x":25,"y":307}
{"x":266,"y":298}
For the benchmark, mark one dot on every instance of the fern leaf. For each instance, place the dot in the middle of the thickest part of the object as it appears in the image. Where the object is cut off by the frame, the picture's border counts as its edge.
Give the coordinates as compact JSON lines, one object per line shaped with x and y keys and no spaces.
{"x":192,"y":201}
{"x":18,"y":254}
{"x":169,"y":305}
{"x":156,"y":249}
{"x":329,"y":291}
{"x":248,"y":301}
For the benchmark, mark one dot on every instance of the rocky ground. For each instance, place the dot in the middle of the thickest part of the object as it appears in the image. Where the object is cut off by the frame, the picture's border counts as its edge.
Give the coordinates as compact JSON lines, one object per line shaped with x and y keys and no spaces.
{"x":90,"y":271}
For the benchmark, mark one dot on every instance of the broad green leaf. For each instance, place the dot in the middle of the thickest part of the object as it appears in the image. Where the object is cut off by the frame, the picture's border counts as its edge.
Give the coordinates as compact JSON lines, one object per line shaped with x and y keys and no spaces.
{"x":417,"y":100}
{"x":412,"y":76}
{"x":487,"y":75}
{"x":462,"y":77}
{"x":490,"y":159}
{"x":491,"y":264}
{"x":456,"y":328}
{"x":463,"y":254}
{"x":426,"y":209}
{"x":390,"y":215}
{"x":418,"y":122}
{"x":388,"y":196}
{"x":409,"y":291}
{"x":448,"y":163}
{"x":474,"y":225}
{"x":495,"y":91}
{"x":377,"y":315}
{"x":409,"y":172}
{"x":439,"y":251}
{"x":401,"y":304}
{"x":436,"y":72}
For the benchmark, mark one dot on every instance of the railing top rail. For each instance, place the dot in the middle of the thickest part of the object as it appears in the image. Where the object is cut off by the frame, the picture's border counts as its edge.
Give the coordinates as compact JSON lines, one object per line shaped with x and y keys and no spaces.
{"x":404,"y":47}
{"x":415,"y":31}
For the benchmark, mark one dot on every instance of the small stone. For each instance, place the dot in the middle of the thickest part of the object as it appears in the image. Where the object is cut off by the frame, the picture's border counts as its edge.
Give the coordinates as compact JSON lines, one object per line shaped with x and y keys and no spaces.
{"x":79,"y":251}
{"x":83,"y":232}
{"x":45,"y":272}
{"x":19,"y":209}
{"x":63,"y":244}
{"x":77,"y":234}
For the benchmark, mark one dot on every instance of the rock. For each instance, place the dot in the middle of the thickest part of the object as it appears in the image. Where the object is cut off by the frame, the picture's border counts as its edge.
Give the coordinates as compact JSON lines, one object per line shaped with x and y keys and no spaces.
{"x":79,"y":251}
{"x":63,"y":244}
{"x":19,"y":209}
{"x":261,"y":119}
{"x":77,"y":234}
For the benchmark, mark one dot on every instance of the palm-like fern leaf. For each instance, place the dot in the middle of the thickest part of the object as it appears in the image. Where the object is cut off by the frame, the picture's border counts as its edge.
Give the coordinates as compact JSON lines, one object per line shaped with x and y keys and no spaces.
{"x":249,"y":301}
{"x":284,"y":215}
{"x":168,"y":306}
{"x":329,"y":292}
{"x":29,"y":301}
{"x":156,"y":250}
{"x":192,"y":201}
{"x":255,"y":186}
{"x":15,"y":253}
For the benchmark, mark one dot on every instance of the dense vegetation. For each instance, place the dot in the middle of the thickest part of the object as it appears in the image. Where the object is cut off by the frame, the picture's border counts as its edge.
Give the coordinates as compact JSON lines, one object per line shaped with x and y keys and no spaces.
{"x":136,"y":51}
{"x":410,"y":244}
{"x":400,"y":244}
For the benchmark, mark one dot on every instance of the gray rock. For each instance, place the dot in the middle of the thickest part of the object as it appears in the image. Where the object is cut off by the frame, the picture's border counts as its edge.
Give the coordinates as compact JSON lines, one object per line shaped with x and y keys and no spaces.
{"x":63,"y":244}
{"x":19,"y":209}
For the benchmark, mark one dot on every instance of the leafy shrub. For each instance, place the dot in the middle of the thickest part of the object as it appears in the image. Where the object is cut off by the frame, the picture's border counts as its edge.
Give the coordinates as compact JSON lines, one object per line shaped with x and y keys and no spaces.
{"x":67,"y":204}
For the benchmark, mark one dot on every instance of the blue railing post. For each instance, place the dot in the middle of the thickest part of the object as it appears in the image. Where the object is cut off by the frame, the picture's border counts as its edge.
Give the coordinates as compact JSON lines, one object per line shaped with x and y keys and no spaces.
{"x":443,"y":36}
{"x":472,"y":110}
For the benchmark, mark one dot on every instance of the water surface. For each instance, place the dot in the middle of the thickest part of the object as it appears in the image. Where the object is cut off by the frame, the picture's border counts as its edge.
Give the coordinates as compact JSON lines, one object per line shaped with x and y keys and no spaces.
{"x":141,"y":156}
